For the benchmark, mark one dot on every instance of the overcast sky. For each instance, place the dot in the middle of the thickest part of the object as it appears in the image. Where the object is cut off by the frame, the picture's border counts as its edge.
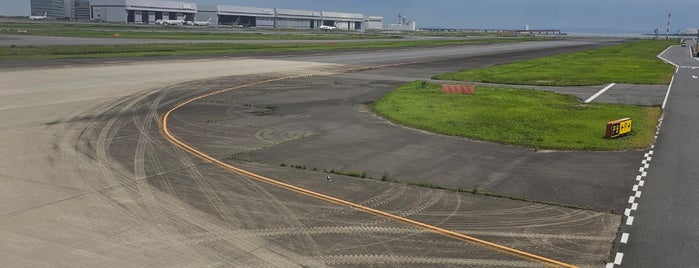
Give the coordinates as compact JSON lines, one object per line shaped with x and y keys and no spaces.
{"x":615,"y":15}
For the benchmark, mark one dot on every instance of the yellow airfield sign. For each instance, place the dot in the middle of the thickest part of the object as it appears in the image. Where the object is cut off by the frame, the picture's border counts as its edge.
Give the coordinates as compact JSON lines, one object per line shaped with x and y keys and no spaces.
{"x":618,"y":128}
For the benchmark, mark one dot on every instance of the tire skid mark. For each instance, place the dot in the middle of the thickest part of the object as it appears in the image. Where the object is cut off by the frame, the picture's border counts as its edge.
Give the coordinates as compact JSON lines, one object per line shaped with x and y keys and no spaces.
{"x":165,"y":132}
{"x":214,"y":232}
{"x":421,"y":261}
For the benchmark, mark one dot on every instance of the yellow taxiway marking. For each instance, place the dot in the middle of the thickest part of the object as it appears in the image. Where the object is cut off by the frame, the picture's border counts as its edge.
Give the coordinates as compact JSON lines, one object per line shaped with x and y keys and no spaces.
{"x":165,"y":132}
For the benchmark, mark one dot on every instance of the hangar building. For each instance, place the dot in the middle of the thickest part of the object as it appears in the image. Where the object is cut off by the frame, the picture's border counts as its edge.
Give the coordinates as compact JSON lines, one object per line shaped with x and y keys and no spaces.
{"x":343,"y":21}
{"x":373,"y":22}
{"x":60,"y":9}
{"x":280,"y":18}
{"x":141,"y":11}
{"x":148,"y":11}
{"x":236,"y":15}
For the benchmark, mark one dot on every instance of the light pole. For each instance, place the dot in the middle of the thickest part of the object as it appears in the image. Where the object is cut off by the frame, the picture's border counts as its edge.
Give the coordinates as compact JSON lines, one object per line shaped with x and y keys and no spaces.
{"x":667,"y":31}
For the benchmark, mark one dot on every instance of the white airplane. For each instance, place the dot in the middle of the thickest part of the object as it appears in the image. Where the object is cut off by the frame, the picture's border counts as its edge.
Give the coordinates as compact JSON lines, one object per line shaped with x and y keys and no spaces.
{"x":200,"y":23}
{"x":170,"y":22}
{"x":327,"y":28}
{"x":39,"y":17}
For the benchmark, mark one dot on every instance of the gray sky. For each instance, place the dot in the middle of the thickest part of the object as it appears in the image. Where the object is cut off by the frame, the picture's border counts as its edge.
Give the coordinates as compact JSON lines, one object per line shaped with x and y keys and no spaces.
{"x":612,"y":15}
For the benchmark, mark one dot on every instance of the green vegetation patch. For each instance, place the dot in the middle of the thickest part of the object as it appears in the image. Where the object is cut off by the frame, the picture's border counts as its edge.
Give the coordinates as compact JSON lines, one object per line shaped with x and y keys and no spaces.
{"x":538,"y":119}
{"x":631,"y":63}
{"x":172,"y":32}
{"x":111,"y":51}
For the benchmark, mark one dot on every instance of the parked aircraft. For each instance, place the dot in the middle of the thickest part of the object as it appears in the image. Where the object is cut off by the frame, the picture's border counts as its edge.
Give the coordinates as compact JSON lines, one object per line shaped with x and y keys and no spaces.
{"x":327,"y":28}
{"x":39,"y":17}
{"x":200,"y":23}
{"x":170,"y":22}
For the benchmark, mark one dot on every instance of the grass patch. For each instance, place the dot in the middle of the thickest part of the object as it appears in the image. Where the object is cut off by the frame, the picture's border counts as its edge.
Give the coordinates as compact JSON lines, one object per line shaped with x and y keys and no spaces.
{"x":112,"y":51}
{"x":530,"y":118}
{"x":173,"y":32}
{"x":631,"y":63}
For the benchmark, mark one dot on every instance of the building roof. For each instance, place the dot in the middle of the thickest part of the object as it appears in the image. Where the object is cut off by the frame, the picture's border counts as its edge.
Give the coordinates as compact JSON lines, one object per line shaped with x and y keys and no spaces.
{"x":162,"y":4}
{"x":297,"y":13}
{"x":239,"y":10}
{"x":342,"y":16}
{"x":150,"y":4}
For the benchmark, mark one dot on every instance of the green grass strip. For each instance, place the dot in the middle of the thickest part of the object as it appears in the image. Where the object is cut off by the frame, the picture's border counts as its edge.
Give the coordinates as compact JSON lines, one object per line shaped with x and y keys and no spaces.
{"x":631,"y":63}
{"x":105,"y":30}
{"x":531,"y":118}
{"x":106,"y":51}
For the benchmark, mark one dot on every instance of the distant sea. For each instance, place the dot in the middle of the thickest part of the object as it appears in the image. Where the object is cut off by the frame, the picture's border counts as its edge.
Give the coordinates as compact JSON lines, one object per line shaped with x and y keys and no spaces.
{"x":605,"y":32}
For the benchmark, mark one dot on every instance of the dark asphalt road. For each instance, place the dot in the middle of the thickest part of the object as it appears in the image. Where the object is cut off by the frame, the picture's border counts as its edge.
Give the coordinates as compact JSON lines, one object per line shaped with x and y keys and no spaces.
{"x":664,"y":231}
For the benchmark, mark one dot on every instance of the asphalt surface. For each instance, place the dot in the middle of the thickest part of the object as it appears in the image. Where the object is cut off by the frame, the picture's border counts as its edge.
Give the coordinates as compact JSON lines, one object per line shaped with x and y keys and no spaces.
{"x":87,"y":180}
{"x":664,"y":230}
{"x":35,"y":40}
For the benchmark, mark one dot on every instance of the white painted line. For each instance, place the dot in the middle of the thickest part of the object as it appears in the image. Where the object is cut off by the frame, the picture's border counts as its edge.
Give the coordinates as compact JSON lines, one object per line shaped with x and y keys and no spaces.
{"x":641,"y":169}
{"x":695,"y":77}
{"x":600,"y":93}
{"x":618,"y":258}
{"x":627,"y":212}
{"x":634,"y":206}
{"x":632,"y":199}
{"x":629,"y":221}
{"x":645,"y":161}
{"x":624,"y":238}
{"x":641,"y":182}
{"x":609,"y":265}
{"x":661,"y":57}
{"x":646,"y":166}
{"x":638,"y":194}
{"x":638,"y":178}
{"x":650,"y":152}
{"x":635,"y":187}
{"x":644,"y":174}
{"x":667,"y":94}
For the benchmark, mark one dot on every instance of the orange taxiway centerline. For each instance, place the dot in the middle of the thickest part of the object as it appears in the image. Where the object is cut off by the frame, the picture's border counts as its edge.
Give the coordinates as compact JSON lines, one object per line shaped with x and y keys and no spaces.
{"x":165,"y":132}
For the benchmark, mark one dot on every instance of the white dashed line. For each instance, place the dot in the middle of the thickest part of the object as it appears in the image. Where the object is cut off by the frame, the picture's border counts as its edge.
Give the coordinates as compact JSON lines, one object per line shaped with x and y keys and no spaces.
{"x":625,"y":238}
{"x":618,"y":258}
{"x":645,"y":164}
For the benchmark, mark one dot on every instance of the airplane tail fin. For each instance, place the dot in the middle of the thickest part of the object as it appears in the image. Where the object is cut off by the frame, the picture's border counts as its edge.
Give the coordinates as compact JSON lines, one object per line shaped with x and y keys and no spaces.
{"x":46,"y":14}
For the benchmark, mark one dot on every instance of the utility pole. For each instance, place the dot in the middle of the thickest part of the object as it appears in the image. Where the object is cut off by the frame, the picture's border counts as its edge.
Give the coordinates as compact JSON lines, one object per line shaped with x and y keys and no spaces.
{"x":667,"y":31}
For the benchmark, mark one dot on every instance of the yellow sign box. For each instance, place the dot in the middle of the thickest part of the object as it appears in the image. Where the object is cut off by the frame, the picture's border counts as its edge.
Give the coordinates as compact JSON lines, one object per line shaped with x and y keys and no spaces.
{"x":618,"y":128}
